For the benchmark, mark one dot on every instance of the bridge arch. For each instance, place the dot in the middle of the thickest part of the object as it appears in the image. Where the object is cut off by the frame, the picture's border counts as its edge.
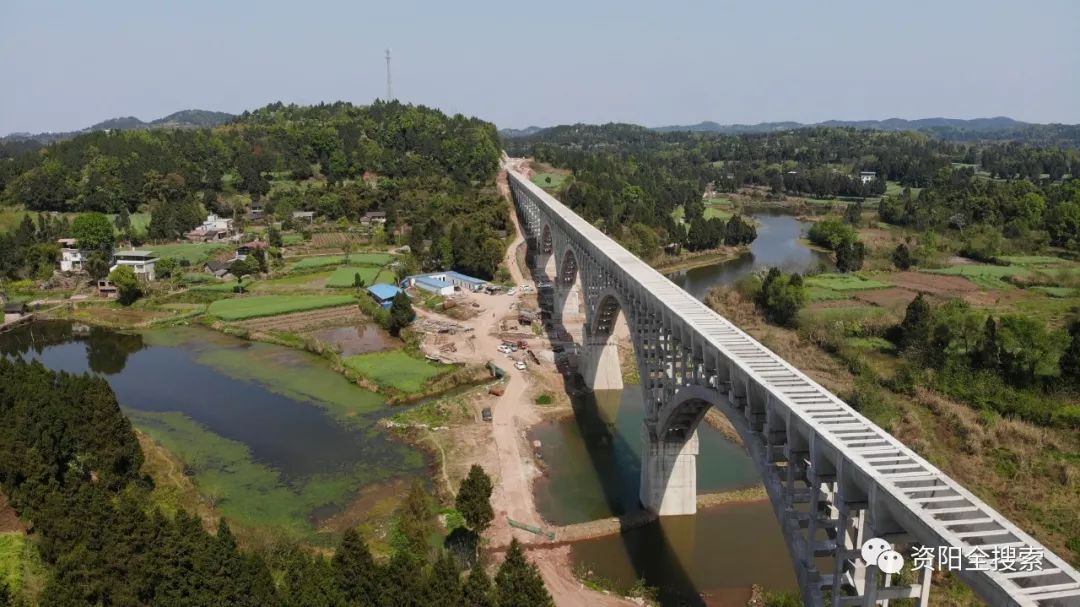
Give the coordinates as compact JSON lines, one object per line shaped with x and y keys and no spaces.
{"x":568,"y":286}
{"x":606,"y":323}
{"x":679,"y":418}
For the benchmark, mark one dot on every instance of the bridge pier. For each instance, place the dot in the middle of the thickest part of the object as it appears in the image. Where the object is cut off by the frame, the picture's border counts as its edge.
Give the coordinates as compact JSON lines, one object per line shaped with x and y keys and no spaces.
{"x":668,"y":474}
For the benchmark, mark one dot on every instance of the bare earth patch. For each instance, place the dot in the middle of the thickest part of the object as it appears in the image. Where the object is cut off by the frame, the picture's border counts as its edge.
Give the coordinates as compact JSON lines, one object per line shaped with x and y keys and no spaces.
{"x":934,"y":284}
{"x":9,"y":519}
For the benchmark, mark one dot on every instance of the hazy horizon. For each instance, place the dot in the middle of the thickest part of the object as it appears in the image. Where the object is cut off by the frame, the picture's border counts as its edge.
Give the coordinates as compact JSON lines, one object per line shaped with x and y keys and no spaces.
{"x":71,"y":65}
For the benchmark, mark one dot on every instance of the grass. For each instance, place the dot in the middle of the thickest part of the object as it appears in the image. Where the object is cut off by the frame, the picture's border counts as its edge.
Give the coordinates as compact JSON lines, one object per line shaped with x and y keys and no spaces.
{"x":436,"y":413}
{"x":222,"y":287}
{"x":717,"y":212}
{"x":879,"y":344}
{"x":343,"y":277}
{"x":985,"y":275}
{"x":1059,"y":292}
{"x":1034,"y":260}
{"x":194,"y":252}
{"x":394,"y":368}
{"x":194,"y":278}
{"x":290,"y":240}
{"x":844,"y":282}
{"x":542,"y":180}
{"x":19,"y":561}
{"x":242,"y":308}
{"x":362,"y":259}
{"x":312,"y":280}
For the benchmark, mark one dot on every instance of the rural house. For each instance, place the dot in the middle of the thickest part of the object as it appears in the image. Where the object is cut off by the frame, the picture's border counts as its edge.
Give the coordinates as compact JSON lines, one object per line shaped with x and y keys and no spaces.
{"x":383,"y":293}
{"x":142,"y":262}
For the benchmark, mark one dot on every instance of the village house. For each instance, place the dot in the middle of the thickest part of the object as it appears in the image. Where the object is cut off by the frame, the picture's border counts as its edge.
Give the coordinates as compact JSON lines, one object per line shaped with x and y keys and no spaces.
{"x":257,"y":211}
{"x":142,"y":262}
{"x":308,"y":215}
{"x":374,"y":218}
{"x":219,"y":269}
{"x":248,"y":248}
{"x":212,"y":230}
{"x":106,"y":288}
{"x":867,"y":176}
{"x":383,"y":293}
{"x":71,"y":257}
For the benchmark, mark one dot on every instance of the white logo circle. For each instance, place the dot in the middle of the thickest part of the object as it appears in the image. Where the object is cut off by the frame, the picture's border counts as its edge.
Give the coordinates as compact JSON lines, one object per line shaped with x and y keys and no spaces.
{"x":873,"y":548}
{"x":890,"y":561}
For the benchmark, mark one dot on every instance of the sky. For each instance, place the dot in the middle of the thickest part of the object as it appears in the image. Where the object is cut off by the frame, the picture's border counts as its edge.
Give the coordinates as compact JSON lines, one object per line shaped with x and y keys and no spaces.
{"x":67,"y":65}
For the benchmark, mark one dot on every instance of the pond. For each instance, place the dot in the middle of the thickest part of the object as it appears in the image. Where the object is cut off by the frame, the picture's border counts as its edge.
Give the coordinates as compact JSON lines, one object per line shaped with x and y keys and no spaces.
{"x":779,"y":244}
{"x":357,"y":339}
{"x":271,"y":434}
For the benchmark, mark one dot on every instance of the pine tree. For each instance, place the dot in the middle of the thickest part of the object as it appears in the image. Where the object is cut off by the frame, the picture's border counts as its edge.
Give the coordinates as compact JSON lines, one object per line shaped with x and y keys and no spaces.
{"x":1070,"y":360}
{"x":477,"y":591}
{"x":474,"y":499}
{"x":915,"y":328}
{"x":518,"y":582}
{"x":901,"y":257}
{"x":401,"y":313}
{"x":989,"y":354}
{"x":356,"y":571}
{"x":443,"y":587}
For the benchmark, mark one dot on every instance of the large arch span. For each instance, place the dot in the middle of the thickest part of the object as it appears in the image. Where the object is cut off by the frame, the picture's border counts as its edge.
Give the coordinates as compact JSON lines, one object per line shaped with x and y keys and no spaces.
{"x":834,"y":478}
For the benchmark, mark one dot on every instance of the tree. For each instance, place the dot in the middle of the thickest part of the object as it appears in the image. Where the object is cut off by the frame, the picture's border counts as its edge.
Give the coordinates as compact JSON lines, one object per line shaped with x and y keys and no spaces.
{"x":1070,"y":359}
{"x":97,"y":265}
{"x":94,"y":232}
{"x":401,"y":313}
{"x":166,"y":267}
{"x":739,"y":231}
{"x":989,"y":355}
{"x":853,"y":214}
{"x":474,"y":499}
{"x":127,"y":284}
{"x":518,"y":582}
{"x":358,"y":281}
{"x":273,"y":236}
{"x":781,"y":297}
{"x":901,"y":257}
{"x":1028,"y":352}
{"x":123,"y":220}
{"x":477,"y":590}
{"x":443,"y":587}
{"x":914,"y":330}
{"x":850,"y":255}
{"x":355,"y":569}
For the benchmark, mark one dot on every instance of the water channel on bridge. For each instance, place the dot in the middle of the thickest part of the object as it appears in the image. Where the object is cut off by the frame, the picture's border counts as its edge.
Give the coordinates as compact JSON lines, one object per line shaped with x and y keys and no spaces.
{"x":593,"y":466}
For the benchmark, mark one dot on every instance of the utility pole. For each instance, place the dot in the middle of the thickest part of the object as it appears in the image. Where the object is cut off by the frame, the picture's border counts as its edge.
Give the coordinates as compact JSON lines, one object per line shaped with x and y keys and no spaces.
{"x":389,"y":87}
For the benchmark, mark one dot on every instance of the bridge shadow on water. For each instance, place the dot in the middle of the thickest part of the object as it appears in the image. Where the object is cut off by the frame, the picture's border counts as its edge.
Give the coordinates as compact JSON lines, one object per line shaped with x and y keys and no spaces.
{"x":652,"y":553}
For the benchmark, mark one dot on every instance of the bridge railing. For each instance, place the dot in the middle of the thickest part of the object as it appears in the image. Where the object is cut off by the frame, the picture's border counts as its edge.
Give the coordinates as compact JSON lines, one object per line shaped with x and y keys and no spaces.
{"x":930,"y":506}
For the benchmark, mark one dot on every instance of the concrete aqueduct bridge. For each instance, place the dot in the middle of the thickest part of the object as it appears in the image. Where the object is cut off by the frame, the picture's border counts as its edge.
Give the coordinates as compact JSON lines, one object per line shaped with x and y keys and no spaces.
{"x":834,"y":479}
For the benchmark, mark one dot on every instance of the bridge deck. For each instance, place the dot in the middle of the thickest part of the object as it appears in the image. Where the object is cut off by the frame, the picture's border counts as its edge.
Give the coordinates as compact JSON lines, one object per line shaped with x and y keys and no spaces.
{"x":900,"y":478}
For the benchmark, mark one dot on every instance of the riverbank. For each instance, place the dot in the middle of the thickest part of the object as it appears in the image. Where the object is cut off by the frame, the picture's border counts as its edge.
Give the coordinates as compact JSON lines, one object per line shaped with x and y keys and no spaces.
{"x":697,"y":259}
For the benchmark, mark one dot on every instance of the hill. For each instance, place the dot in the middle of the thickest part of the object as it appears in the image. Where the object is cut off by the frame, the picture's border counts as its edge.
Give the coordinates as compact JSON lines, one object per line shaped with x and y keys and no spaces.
{"x":184,"y":119}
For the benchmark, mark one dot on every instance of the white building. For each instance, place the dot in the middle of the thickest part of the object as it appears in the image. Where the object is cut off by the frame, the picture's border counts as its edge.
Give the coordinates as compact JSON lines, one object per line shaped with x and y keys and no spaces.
{"x":444,"y":283}
{"x":142,"y":262}
{"x":867,"y":176}
{"x":214,"y":228}
{"x":71,"y":257}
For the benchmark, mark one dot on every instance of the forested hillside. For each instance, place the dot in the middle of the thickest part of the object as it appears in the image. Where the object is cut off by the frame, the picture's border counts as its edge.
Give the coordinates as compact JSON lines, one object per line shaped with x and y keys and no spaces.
{"x":432,"y":174}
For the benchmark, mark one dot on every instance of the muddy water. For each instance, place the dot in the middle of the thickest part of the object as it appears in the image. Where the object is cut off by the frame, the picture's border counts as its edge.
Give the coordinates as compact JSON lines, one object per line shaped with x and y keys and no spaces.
{"x":359,"y":339}
{"x":778,"y":244}
{"x":593,"y":459}
{"x":286,"y":410}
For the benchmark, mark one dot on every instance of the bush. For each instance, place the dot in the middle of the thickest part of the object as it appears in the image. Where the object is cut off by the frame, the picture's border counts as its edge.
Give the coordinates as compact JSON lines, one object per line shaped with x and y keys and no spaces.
{"x":781,"y":297}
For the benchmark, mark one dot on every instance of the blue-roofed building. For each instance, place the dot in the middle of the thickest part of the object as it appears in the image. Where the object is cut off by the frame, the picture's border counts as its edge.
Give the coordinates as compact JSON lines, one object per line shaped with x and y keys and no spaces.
{"x":383,"y":293}
{"x":444,"y":283}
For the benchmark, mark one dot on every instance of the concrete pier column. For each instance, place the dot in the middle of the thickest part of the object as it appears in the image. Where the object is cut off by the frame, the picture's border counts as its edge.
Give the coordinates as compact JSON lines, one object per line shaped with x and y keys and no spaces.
{"x":668,"y":474}
{"x":599,"y":365}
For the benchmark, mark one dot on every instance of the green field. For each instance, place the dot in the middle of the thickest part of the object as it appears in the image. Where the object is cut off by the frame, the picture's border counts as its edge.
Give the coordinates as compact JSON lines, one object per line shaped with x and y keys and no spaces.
{"x":395,"y":368}
{"x":194,"y":252}
{"x":985,"y":275}
{"x":1060,"y":292}
{"x":242,"y":308}
{"x":311,"y":280}
{"x":542,"y":180}
{"x":292,"y":239}
{"x":360,"y":259}
{"x":844,"y":282}
{"x":227,"y":286}
{"x":343,"y":277}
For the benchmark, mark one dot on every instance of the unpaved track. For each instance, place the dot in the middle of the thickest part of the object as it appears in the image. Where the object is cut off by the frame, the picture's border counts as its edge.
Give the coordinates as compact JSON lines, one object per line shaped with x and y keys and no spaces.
{"x":513,"y":413}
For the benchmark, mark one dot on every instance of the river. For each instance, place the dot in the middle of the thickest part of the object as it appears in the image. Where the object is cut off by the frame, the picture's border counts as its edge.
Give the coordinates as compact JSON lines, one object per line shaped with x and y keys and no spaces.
{"x":592,"y":467}
{"x":271,"y":434}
